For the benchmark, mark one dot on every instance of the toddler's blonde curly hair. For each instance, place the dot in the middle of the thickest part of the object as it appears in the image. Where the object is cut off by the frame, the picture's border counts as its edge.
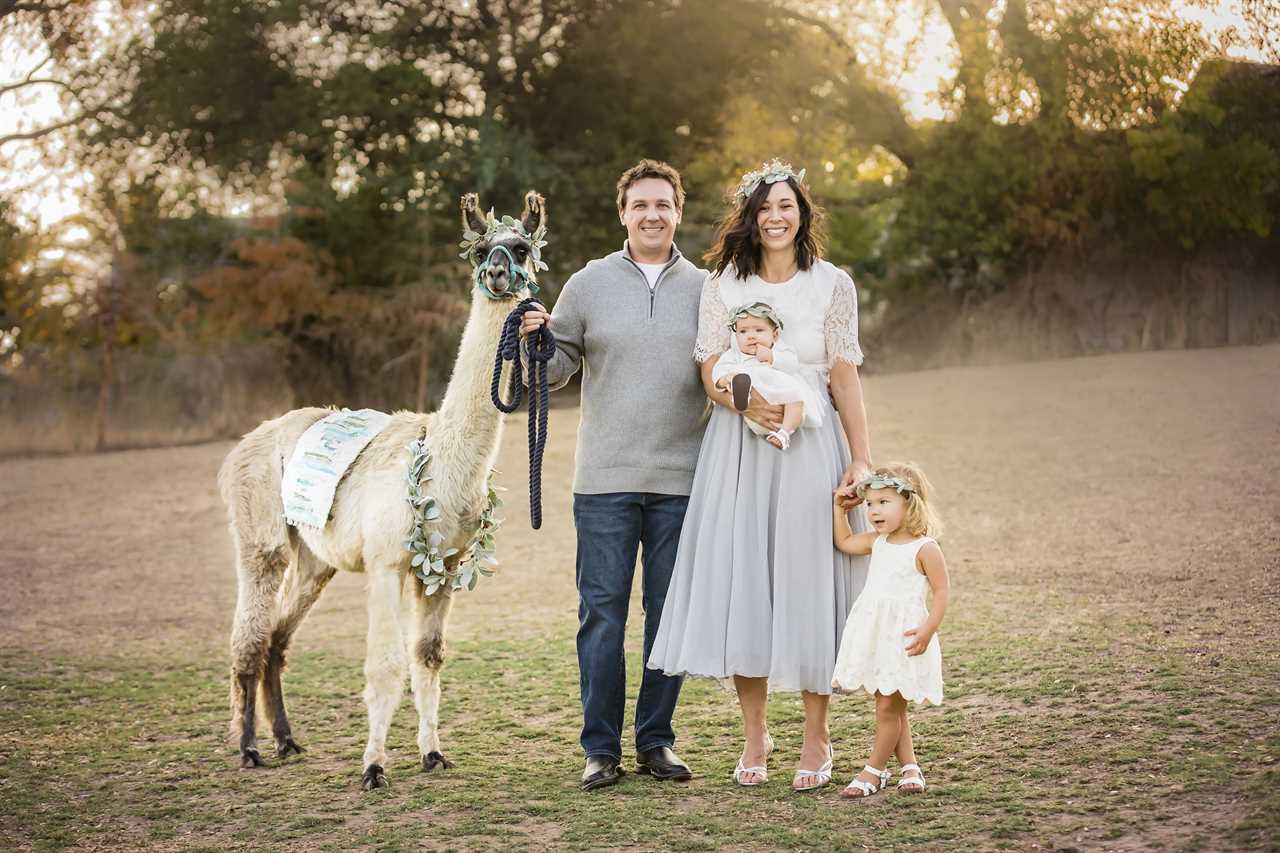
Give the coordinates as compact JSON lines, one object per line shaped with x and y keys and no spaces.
{"x":921,"y":519}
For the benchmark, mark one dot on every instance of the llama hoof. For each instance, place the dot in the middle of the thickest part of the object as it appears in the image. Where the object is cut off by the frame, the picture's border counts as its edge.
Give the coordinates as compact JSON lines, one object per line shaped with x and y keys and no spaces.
{"x":286,"y":746}
{"x":373,"y":778}
{"x":249,"y":758}
{"x":432,"y":760}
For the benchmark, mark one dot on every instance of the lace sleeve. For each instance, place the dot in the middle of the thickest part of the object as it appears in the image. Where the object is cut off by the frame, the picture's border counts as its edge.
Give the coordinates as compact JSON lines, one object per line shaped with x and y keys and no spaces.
{"x":713,"y":322}
{"x":840,"y":326}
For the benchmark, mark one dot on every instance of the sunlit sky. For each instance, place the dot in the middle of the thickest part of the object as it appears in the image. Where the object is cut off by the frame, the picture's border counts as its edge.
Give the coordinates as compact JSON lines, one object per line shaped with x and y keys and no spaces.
{"x":51,"y":197}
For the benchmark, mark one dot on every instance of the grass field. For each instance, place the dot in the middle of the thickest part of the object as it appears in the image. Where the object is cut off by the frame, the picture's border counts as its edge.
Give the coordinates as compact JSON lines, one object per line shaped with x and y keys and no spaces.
{"x":1112,"y":657}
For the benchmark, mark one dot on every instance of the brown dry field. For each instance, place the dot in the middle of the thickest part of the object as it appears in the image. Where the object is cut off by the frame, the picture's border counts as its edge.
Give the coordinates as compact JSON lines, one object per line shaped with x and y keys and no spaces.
{"x":1132,"y":501}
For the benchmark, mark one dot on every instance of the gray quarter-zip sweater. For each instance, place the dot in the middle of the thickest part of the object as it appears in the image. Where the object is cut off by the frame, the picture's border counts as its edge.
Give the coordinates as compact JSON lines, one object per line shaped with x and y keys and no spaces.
{"x":642,"y":397}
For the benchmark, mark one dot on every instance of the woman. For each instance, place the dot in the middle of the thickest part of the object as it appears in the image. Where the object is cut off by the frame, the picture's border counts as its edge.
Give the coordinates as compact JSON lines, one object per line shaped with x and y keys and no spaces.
{"x":759,"y":592}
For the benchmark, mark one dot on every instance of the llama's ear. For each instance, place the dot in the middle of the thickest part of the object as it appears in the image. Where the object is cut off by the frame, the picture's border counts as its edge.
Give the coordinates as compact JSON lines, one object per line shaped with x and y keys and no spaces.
{"x":535,"y":212}
{"x":473,"y":218}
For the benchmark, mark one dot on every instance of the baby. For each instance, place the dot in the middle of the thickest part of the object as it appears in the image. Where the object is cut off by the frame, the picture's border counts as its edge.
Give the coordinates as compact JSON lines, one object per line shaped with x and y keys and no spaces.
{"x":757,"y":358}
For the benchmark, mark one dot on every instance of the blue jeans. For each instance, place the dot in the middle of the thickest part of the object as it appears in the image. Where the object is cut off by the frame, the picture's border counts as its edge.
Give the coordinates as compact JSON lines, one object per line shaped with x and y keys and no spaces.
{"x":611,"y":528}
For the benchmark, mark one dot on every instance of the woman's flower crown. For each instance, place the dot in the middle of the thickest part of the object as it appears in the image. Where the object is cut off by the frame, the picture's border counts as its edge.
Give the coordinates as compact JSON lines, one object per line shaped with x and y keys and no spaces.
{"x":880,"y":481}
{"x":763,"y":310}
{"x":772,"y":172}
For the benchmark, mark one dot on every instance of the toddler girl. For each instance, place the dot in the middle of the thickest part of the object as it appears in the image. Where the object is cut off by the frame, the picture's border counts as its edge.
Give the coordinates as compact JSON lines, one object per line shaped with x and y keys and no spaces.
{"x":889,"y":647}
{"x":758,"y":358}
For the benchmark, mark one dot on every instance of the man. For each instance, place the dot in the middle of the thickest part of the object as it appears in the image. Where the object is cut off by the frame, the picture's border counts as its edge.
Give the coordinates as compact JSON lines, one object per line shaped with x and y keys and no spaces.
{"x":630,"y":320}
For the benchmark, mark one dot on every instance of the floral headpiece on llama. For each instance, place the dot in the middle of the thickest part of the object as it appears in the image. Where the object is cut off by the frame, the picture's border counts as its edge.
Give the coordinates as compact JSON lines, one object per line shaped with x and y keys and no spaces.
{"x":763,"y":310}
{"x":880,"y":481}
{"x":471,"y":240}
{"x":775,"y":171}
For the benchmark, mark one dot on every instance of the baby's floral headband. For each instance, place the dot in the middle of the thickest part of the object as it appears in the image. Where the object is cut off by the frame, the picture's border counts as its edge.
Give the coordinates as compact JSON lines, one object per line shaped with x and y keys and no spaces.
{"x":756,"y":309}
{"x":772,"y":172}
{"x":880,"y":481}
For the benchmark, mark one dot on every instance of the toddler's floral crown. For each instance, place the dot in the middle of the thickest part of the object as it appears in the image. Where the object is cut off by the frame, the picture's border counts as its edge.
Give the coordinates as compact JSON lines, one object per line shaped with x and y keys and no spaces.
{"x":770,"y":173}
{"x":881,"y":481}
{"x":762,"y":310}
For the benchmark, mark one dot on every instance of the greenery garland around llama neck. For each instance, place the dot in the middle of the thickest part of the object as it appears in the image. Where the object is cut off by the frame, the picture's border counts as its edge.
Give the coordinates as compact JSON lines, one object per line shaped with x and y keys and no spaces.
{"x":478,"y":558}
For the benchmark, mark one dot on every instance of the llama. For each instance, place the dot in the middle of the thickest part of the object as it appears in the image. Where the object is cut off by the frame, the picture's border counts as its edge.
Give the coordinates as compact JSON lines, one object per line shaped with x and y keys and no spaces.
{"x":282,"y":569}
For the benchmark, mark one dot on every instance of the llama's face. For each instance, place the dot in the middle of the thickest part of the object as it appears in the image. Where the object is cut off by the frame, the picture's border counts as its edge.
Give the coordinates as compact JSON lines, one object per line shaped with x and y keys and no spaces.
{"x":505,"y":253}
{"x":499,"y":254}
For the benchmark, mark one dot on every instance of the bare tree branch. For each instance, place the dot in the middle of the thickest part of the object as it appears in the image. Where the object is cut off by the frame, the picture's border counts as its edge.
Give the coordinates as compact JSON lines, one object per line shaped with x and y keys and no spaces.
{"x":39,"y":132}
{"x":11,"y":7}
{"x":39,"y":81}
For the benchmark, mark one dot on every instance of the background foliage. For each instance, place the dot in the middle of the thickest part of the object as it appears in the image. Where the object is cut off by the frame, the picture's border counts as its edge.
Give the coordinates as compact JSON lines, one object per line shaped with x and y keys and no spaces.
{"x":289,"y":170}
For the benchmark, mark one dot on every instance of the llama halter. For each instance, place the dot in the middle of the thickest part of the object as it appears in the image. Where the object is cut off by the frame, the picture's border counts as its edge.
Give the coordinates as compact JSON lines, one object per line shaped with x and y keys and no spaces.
{"x":773,"y":172}
{"x":471,"y":241}
{"x":879,"y":481}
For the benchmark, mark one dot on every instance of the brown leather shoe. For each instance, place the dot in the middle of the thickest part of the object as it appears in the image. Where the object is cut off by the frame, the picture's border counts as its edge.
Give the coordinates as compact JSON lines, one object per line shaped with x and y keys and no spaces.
{"x":601,"y":772}
{"x":661,"y":763}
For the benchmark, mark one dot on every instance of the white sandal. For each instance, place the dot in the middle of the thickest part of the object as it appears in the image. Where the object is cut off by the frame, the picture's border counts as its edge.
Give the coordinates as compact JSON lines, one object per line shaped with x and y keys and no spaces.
{"x":866,"y":789}
{"x":917,"y":781}
{"x":823,"y":773}
{"x":783,"y":436}
{"x":762,"y":772}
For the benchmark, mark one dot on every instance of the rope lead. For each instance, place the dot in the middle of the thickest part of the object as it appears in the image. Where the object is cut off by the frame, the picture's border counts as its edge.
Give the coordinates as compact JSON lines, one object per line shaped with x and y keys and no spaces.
{"x":542,"y":346}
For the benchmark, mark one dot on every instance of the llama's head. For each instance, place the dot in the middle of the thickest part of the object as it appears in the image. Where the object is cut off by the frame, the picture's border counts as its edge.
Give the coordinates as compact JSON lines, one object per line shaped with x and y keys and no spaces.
{"x":505,"y":253}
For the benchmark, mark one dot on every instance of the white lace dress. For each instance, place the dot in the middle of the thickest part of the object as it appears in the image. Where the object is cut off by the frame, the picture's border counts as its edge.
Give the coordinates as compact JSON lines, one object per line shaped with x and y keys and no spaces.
{"x":758,"y":587}
{"x":873,"y":653}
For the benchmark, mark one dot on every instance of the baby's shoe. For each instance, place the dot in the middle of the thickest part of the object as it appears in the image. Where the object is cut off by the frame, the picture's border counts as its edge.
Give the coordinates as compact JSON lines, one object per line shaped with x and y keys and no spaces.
{"x":741,"y":391}
{"x":780,"y":438}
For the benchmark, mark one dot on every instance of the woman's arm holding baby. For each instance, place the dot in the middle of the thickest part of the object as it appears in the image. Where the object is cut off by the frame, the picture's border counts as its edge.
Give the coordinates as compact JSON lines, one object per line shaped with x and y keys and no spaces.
{"x":934,"y":566}
{"x":758,"y":409}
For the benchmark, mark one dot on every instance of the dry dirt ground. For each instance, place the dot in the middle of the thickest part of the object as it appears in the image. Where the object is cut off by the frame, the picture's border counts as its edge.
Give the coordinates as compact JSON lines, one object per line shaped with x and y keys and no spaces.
{"x":1112,"y":653}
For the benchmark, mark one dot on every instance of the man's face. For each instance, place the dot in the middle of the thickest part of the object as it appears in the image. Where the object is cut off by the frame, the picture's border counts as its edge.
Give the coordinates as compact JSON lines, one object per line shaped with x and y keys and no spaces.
{"x":650,"y":216}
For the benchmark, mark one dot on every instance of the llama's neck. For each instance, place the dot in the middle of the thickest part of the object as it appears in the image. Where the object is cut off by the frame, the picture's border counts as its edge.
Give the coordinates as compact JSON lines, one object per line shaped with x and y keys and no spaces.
{"x":467,"y":426}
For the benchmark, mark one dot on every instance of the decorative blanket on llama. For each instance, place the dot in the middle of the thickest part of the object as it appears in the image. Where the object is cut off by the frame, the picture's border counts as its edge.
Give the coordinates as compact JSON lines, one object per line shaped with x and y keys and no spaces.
{"x":321,"y":458}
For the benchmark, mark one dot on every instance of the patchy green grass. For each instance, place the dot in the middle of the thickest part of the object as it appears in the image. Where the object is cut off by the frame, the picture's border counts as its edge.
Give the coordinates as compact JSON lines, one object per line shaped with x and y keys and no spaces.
{"x":1112,"y":655}
{"x":1034,"y":746}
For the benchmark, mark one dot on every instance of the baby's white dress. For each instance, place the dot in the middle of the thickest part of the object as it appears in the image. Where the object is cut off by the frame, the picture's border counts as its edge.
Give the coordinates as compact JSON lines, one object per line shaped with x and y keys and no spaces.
{"x":779,"y":382}
{"x":873,"y":650}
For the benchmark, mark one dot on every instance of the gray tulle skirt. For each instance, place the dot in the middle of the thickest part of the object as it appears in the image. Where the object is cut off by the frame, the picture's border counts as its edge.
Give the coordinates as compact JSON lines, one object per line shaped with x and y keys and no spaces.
{"x":758,"y":588}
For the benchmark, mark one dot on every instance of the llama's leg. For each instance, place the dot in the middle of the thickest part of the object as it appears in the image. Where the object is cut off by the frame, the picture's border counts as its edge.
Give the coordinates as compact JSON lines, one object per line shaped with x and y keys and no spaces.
{"x":303,"y":583}
{"x":430,"y":616}
{"x":384,"y":669}
{"x":259,"y":570}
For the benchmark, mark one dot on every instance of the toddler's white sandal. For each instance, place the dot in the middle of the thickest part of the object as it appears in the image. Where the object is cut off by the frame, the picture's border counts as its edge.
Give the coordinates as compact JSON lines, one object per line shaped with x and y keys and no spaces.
{"x":912,"y":784}
{"x":783,"y":436}
{"x":857,"y":789}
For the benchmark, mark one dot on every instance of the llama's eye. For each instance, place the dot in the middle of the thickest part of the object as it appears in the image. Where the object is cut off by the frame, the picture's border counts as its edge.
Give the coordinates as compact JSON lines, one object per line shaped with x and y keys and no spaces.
{"x":521,"y":252}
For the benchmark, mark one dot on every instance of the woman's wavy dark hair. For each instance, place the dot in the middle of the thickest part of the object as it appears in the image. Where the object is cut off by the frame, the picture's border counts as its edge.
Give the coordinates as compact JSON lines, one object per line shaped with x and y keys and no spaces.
{"x":738,"y":233}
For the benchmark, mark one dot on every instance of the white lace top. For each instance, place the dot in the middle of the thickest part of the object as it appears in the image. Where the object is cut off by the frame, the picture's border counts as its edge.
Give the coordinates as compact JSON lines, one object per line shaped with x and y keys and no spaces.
{"x":818,"y":307}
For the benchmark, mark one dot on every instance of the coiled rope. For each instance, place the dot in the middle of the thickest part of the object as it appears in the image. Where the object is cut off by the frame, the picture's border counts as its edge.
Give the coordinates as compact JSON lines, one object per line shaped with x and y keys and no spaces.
{"x":542,"y":346}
